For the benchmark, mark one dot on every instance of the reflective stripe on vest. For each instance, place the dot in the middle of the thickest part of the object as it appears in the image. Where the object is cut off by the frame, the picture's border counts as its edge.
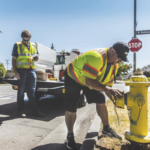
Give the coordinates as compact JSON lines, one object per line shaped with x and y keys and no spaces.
{"x":24,"y":59}
{"x":73,"y":74}
{"x":90,"y":70}
{"x":113,"y":72}
{"x":21,"y":52}
{"x":103,"y":53}
{"x":34,"y":46}
{"x":21,"y":63}
{"x":111,"y":81}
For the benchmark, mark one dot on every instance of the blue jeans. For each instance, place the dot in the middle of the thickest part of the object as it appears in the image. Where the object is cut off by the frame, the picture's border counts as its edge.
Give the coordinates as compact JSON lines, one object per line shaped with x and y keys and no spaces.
{"x":28,"y":80}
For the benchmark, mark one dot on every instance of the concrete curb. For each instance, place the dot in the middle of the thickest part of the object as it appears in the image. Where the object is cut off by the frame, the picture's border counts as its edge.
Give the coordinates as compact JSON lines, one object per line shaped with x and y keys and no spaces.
{"x":91,"y":137}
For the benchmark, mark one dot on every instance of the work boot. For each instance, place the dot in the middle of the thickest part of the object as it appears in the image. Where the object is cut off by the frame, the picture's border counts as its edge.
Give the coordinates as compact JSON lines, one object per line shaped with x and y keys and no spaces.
{"x":21,"y":114}
{"x":70,"y":143}
{"x":111,"y":133}
{"x":38,"y":114}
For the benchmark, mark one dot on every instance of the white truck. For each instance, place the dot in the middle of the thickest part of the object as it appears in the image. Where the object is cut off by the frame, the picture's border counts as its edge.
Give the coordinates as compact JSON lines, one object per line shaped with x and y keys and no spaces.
{"x":51,"y":64}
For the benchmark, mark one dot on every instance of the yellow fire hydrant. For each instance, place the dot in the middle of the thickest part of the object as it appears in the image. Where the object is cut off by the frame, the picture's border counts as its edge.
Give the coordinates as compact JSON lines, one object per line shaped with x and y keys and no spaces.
{"x":136,"y":102}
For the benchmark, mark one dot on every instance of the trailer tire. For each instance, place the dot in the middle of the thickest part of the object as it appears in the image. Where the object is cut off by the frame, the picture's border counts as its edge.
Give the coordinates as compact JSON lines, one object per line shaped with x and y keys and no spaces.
{"x":82,"y":100}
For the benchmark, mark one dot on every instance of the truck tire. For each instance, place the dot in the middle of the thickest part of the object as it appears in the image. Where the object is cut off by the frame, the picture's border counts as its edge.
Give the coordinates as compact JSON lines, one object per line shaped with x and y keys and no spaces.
{"x":82,"y":100}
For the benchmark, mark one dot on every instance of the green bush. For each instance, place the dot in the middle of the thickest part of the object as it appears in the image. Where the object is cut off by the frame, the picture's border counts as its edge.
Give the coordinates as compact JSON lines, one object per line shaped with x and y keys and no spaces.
{"x":123,"y":69}
{"x":146,"y":73}
{"x":2,"y":71}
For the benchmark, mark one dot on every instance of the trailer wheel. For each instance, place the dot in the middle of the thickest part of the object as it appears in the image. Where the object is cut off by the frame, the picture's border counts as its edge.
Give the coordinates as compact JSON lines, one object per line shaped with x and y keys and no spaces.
{"x":82,"y":100}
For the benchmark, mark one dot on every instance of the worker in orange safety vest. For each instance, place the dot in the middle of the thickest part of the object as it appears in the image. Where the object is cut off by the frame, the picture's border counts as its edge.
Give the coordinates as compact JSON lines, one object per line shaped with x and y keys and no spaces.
{"x":93,"y":72}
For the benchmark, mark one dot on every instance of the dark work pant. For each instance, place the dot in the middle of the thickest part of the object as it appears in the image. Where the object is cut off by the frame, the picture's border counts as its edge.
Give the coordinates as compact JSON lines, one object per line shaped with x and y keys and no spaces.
{"x":28,"y":80}
{"x":72,"y":94}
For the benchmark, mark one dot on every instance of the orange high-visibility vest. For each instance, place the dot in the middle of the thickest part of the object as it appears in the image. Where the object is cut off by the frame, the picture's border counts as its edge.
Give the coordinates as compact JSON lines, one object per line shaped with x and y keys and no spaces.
{"x":92,"y":64}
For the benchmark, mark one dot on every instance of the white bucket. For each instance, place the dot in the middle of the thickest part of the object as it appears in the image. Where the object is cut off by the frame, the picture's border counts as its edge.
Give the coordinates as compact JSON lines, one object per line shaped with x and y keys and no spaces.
{"x":40,"y":68}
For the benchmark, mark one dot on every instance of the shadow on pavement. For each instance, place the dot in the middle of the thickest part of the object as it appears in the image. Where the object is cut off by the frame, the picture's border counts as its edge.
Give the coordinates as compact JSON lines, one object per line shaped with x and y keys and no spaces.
{"x":53,"y":146}
{"x":91,"y":135}
{"x":51,"y":107}
{"x":88,"y":144}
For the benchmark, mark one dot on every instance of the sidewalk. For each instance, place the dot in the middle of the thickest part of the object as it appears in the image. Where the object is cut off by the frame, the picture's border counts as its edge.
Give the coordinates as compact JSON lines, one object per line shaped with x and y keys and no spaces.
{"x":92,"y":134}
{"x":119,"y":82}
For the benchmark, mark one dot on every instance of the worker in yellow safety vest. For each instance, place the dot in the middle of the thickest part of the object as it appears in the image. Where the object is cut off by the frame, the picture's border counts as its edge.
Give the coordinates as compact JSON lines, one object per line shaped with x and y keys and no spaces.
{"x":93,"y":72}
{"x":24,"y":55}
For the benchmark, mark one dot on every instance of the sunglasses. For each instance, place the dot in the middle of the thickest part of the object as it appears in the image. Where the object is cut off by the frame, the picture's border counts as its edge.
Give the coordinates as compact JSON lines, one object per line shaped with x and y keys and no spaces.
{"x":26,"y":40}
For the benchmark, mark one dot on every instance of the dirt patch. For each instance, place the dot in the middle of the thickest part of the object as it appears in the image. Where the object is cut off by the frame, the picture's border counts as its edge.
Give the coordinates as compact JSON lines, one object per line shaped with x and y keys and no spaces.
{"x":115,"y":144}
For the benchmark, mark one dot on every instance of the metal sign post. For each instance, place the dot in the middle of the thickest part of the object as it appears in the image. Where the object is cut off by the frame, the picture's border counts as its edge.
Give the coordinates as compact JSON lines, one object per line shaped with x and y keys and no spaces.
{"x":134,"y":56}
{"x":137,"y":33}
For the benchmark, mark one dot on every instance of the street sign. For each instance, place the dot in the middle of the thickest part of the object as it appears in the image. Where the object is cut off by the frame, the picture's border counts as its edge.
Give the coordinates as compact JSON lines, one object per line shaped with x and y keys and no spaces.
{"x":143,"y":32}
{"x":135,"y":45}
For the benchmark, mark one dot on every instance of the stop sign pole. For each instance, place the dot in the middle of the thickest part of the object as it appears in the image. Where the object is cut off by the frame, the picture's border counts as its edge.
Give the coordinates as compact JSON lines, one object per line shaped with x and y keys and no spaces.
{"x":134,"y":55}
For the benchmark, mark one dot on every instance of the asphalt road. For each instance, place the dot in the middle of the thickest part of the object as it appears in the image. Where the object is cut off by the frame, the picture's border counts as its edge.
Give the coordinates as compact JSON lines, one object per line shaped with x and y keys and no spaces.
{"x":48,"y":133}
{"x":32,"y":133}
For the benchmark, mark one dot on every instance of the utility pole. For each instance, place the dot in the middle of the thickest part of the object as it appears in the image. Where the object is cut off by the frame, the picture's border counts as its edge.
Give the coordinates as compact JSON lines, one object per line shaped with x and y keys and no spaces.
{"x":7,"y":63}
{"x":134,"y":55}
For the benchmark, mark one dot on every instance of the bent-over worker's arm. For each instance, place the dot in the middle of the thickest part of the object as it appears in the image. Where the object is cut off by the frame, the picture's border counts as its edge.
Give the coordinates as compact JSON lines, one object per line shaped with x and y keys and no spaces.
{"x":96,"y":85}
{"x":110,"y":92}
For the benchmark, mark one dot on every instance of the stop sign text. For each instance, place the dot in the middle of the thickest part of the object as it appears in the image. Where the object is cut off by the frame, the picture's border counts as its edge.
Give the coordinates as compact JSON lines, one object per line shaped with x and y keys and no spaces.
{"x":135,"y":45}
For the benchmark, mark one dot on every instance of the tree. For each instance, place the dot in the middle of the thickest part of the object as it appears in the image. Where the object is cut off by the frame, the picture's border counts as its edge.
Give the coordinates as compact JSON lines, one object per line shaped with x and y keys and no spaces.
{"x":146,"y":68}
{"x":146,"y":73}
{"x":143,"y":69}
{"x":123,"y":69}
{"x":63,"y":51}
{"x":2,"y":71}
{"x":63,"y":56}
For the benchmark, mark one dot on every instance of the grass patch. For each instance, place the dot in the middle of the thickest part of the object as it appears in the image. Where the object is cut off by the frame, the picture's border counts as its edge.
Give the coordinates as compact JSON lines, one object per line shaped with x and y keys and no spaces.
{"x":115,"y":144}
{"x":126,"y":80}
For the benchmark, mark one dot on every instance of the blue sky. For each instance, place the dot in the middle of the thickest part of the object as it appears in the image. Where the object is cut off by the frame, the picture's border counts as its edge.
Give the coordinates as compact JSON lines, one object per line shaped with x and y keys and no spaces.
{"x":82,"y":24}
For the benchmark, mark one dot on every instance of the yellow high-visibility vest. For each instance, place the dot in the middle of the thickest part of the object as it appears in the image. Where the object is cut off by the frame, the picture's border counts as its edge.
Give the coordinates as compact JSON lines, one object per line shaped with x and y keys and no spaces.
{"x":92,"y":64}
{"x":24,"y":59}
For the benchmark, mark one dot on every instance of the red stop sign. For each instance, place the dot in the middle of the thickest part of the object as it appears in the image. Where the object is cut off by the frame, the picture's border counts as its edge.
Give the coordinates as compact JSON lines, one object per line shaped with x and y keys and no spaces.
{"x":135,"y":45}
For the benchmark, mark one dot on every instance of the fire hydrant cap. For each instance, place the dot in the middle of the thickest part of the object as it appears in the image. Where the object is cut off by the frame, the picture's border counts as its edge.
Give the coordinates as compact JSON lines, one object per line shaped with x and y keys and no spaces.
{"x":138,"y":76}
